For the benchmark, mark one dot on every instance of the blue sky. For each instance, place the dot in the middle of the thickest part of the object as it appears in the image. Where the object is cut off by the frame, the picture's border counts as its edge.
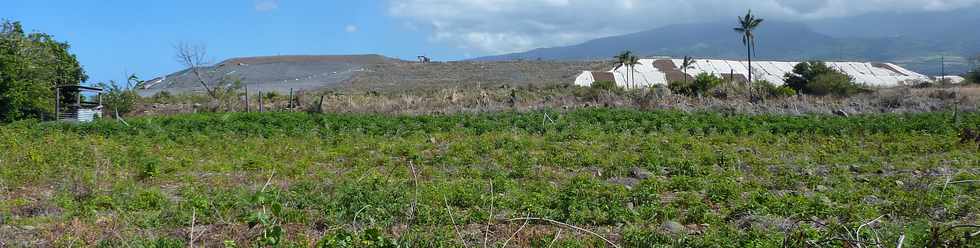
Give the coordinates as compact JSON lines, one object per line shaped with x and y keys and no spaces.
{"x":114,"y":37}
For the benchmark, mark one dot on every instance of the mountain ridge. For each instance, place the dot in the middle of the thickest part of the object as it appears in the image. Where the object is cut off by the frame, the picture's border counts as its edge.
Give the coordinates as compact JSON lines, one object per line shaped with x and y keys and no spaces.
{"x":920,"y":49}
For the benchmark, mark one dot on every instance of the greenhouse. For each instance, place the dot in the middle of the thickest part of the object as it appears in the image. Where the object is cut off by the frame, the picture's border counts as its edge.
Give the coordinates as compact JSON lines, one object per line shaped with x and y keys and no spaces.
{"x":661,"y":71}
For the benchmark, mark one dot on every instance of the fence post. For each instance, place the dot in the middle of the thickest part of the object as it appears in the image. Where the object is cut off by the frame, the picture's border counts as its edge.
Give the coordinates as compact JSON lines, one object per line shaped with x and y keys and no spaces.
{"x":319,"y":105}
{"x":290,"y":104}
{"x":57,"y":104}
{"x":246,"y":100}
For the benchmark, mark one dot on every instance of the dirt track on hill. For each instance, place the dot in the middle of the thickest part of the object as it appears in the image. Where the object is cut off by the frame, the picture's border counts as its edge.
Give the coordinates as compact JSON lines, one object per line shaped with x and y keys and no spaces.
{"x":406,"y":75}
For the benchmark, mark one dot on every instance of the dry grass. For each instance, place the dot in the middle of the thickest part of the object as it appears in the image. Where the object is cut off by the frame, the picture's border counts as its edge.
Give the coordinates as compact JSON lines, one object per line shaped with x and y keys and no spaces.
{"x":532,"y":97}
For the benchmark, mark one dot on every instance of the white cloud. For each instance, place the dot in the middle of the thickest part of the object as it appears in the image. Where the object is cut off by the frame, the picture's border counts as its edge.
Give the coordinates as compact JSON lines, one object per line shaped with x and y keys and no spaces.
{"x":266,"y":5}
{"x":351,"y":28}
{"x":500,"y":26}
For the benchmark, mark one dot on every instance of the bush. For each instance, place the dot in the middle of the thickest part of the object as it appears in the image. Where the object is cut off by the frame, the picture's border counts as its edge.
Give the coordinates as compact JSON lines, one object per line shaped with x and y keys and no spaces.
{"x":834,"y":83}
{"x":973,"y":77}
{"x":771,"y":90}
{"x":680,"y":87}
{"x":162,"y":97}
{"x":116,"y":99}
{"x":700,"y":86}
{"x":597,"y":89}
{"x":816,"y":78}
{"x":605,"y":85}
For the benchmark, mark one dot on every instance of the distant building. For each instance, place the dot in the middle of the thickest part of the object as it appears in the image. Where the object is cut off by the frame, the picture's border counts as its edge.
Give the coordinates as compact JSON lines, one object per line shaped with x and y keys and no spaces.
{"x":953,"y":79}
{"x":661,"y":71}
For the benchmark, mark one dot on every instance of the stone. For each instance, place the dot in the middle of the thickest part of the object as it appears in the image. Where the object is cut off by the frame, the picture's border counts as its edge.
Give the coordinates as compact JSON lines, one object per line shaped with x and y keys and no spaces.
{"x":625,"y":181}
{"x":640,"y":173}
{"x":674,"y":227}
{"x":821,"y":188}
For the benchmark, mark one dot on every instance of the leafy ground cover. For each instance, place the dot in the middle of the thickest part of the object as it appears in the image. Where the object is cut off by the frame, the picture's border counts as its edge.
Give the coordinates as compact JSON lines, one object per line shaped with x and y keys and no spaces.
{"x":580,"y":178}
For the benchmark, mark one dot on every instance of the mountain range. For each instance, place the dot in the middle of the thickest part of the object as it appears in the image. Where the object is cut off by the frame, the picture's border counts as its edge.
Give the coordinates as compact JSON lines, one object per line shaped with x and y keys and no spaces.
{"x":918,"y":41}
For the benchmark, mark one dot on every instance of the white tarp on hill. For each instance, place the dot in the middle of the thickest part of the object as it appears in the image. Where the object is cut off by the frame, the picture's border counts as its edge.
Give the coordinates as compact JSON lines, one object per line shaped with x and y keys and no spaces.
{"x":646,"y":74}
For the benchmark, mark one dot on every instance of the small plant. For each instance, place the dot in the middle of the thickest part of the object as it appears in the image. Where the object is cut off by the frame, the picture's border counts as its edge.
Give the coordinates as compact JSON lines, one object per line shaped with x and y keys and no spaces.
{"x":268,"y":221}
{"x":371,"y":238}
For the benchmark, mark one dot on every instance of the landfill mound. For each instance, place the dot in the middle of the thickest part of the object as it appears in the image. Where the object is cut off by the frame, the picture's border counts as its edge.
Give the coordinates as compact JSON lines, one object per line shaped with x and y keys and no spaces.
{"x":364,"y":72}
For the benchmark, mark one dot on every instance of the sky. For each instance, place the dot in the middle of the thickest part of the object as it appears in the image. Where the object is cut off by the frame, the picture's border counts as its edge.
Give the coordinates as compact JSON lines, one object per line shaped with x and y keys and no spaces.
{"x":114,"y":38}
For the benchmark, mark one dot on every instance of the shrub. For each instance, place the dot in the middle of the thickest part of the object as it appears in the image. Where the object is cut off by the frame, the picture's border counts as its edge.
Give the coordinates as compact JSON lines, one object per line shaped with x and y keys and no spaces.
{"x":834,"y":83}
{"x":605,"y":85}
{"x":771,"y":90}
{"x":804,"y":73}
{"x":973,"y":76}
{"x":680,"y":87}
{"x":700,"y":86}
{"x":815,"y":77}
{"x":597,"y":89}
{"x":163,"y":96}
{"x":118,"y":99}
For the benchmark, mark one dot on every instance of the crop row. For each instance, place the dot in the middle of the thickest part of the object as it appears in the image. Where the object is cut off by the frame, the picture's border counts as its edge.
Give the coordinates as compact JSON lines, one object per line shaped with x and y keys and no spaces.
{"x":604,"y":120}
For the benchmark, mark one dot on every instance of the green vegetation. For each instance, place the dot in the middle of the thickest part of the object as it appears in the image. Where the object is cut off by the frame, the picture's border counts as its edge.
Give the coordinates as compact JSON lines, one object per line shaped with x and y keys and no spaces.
{"x":30,"y":65}
{"x":640,"y":179}
{"x":816,"y":78}
{"x":605,"y":85}
{"x":122,"y":99}
{"x":768,"y":89}
{"x":973,"y":76}
{"x":703,"y":83}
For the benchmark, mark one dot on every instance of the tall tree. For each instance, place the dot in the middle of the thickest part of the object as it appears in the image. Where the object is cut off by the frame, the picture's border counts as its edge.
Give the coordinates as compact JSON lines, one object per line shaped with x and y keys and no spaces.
{"x":687,"y":63}
{"x":746,"y":28}
{"x":623,"y":60}
{"x":194,"y":57}
{"x":30,"y":65}
{"x":631,"y":63}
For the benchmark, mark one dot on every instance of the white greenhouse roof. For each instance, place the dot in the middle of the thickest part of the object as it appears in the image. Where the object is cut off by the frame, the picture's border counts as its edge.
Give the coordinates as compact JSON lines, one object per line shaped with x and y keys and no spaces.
{"x":647,"y":74}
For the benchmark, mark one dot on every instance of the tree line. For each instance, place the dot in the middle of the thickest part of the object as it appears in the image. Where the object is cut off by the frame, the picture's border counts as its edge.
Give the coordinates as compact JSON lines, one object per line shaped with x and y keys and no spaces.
{"x":31,"y":64}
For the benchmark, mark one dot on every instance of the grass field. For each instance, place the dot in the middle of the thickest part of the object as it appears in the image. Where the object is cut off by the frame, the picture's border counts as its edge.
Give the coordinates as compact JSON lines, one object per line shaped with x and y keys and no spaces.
{"x":637,"y":179}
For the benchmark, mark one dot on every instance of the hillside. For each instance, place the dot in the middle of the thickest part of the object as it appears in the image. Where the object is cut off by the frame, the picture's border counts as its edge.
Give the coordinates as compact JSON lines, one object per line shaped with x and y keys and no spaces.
{"x":915,"y":41}
{"x":274,"y":73}
{"x":778,"y":41}
{"x":369,"y":72}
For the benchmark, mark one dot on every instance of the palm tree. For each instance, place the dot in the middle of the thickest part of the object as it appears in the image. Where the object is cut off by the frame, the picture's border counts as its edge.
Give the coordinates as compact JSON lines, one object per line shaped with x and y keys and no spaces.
{"x":688,"y":62}
{"x":623,"y":59}
{"x":746,"y":28}
{"x":632,"y":62}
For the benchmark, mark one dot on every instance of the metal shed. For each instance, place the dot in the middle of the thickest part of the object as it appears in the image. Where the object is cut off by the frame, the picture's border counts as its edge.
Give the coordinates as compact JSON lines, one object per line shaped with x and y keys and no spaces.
{"x":72,"y":104}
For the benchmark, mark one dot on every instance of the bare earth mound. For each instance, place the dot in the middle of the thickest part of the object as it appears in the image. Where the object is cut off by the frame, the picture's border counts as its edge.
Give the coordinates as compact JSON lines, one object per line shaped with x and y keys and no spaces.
{"x":372,"y":72}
